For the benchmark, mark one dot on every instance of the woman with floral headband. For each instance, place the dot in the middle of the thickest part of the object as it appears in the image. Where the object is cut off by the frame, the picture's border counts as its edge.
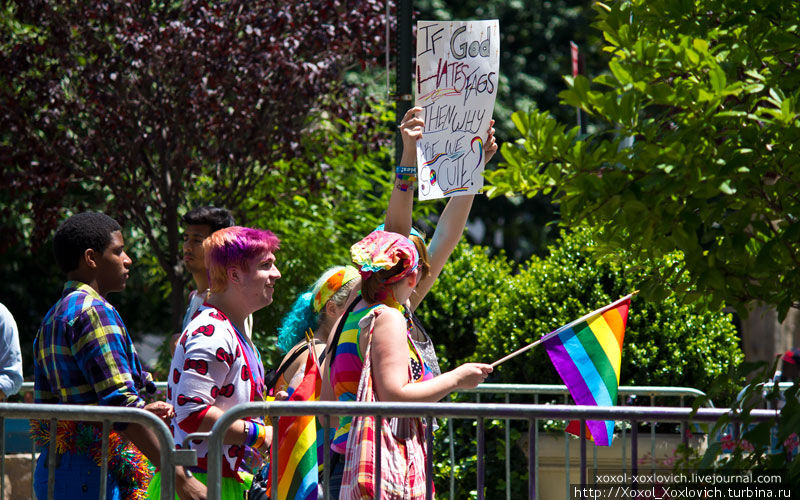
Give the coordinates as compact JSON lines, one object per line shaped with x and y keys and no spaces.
{"x":216,"y":366}
{"x":388,"y":263}
{"x":317,"y":310}
{"x":449,"y":229}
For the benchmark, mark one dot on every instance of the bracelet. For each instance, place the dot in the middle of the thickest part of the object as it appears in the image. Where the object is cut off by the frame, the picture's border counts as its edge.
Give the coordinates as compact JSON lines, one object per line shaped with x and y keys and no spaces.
{"x":262,"y":436}
{"x":406,"y":181}
{"x":252,"y":433}
{"x":405,"y":170}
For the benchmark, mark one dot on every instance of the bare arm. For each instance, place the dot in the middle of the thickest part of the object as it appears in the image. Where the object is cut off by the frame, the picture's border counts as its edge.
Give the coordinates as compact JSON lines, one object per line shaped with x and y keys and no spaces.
{"x":390,"y":366}
{"x":401,"y":201}
{"x":449,"y":230}
{"x":448,"y":233}
{"x":236,"y":433}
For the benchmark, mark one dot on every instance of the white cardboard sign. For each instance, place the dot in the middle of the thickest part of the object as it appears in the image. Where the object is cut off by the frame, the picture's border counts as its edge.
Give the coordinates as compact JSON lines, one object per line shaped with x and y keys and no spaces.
{"x":458,"y":66}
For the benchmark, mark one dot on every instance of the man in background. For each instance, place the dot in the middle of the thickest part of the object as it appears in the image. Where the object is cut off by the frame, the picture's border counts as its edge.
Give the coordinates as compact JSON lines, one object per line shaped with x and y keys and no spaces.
{"x":10,"y":356}
{"x":199,"y":223}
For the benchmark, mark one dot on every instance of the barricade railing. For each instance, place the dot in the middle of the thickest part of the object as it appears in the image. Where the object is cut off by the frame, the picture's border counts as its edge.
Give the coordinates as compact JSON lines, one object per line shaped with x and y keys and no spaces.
{"x":625,"y":395}
{"x":525,"y":412}
{"x":170,"y":457}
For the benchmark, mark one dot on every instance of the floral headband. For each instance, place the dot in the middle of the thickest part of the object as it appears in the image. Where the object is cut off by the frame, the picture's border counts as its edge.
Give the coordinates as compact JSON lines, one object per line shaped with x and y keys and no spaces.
{"x":330,"y":286}
{"x":383,"y":250}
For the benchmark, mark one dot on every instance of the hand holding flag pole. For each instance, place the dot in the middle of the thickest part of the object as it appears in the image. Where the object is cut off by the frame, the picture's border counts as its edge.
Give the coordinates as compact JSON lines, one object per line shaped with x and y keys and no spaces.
{"x":559,"y":330}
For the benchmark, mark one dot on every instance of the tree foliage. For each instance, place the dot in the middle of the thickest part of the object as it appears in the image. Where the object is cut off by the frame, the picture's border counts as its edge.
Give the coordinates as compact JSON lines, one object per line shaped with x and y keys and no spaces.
{"x":125,"y":105}
{"x":699,"y":155}
{"x":535,"y":40}
{"x":534,"y":48}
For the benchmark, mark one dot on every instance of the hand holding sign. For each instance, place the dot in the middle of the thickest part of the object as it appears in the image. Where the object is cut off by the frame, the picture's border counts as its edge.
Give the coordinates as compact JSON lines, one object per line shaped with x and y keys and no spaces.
{"x":411,"y":130}
{"x":457,"y":75}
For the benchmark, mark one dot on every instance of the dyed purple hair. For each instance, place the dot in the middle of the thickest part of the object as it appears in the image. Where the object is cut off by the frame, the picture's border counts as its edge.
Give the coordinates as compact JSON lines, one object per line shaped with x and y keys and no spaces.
{"x":234,"y":246}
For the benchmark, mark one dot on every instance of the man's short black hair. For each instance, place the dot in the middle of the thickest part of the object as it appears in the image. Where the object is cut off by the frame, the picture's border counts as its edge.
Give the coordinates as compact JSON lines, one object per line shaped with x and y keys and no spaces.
{"x":214,"y":217}
{"x":79,"y":232}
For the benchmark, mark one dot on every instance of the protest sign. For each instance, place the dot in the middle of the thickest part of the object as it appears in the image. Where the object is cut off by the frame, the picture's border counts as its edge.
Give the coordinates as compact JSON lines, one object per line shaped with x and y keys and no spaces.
{"x":456,"y":84}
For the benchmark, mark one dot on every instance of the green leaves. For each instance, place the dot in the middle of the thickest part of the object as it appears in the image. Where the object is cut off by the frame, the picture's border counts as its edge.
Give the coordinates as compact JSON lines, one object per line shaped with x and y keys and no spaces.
{"x":696,"y":124}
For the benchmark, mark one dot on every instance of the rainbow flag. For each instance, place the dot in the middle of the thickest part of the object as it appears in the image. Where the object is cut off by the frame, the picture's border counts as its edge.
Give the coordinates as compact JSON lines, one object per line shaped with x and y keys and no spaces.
{"x":586,"y":354}
{"x":297,"y":442}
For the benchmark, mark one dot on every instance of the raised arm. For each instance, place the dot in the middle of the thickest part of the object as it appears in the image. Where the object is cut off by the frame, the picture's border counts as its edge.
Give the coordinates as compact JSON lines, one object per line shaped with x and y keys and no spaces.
{"x":449,"y":229}
{"x":401,"y":201}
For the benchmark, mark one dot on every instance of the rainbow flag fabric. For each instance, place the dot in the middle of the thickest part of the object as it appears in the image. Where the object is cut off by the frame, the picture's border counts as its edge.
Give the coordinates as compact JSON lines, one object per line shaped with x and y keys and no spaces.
{"x":586,"y":354}
{"x":297,"y":443}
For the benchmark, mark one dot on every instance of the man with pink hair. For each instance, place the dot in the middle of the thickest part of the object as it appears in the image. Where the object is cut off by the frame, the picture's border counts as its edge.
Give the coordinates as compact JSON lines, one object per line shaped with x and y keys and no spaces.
{"x":216,"y":366}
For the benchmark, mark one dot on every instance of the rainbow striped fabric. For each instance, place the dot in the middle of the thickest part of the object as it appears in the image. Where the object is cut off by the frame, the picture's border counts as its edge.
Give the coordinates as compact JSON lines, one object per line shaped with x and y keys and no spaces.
{"x":586,"y":354}
{"x":297,"y":443}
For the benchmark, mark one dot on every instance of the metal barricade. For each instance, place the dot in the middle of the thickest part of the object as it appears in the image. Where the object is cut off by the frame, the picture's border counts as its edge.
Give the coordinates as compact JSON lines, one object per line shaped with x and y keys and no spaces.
{"x":170,"y":457}
{"x":506,"y":391}
{"x":536,"y":390}
{"x":524,"y":412}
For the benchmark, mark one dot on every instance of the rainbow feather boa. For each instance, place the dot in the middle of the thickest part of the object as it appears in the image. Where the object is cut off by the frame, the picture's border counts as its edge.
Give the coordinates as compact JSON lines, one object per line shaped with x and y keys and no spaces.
{"x":129,"y":467}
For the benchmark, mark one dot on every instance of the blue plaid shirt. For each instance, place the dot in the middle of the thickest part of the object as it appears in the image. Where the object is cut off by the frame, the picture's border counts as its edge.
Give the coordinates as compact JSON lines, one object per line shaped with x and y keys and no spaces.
{"x":84,"y":355}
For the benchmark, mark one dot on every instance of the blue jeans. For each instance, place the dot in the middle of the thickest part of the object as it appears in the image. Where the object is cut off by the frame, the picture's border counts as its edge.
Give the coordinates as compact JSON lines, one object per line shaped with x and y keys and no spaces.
{"x":337,"y":470}
{"x":76,"y":477}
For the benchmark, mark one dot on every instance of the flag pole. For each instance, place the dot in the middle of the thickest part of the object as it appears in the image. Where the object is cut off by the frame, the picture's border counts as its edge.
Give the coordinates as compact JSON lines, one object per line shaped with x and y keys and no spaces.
{"x":561,"y":329}
{"x":518,"y":352}
{"x":311,"y":351}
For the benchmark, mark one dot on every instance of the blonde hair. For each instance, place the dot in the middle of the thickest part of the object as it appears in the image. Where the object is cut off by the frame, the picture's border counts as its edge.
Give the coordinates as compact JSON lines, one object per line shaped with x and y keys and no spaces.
{"x":424,"y":265}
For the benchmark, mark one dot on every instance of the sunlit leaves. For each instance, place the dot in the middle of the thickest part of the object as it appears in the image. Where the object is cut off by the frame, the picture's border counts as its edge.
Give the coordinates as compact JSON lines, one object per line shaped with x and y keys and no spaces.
{"x":698,"y":153}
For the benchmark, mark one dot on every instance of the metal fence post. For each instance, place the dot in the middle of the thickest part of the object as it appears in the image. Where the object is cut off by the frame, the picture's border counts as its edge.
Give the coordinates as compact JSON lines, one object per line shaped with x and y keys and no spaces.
{"x":274,"y":464}
{"x":481,"y":464}
{"x":508,"y":454}
{"x":532,"y":466}
{"x":583,"y":452}
{"x":429,"y":459}
{"x":104,"y":460}
{"x":378,"y":459}
{"x":51,"y":460}
{"x":634,"y":447}
{"x":2,"y":457}
{"x":326,"y":460}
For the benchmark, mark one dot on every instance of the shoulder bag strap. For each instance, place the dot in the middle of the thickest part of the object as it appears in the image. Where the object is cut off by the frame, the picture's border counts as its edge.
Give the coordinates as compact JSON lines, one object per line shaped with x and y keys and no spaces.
{"x":339,"y":327}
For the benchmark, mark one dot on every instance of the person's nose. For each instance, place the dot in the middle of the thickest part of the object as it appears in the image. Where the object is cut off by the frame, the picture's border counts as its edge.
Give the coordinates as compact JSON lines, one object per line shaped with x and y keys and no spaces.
{"x":126,"y":261}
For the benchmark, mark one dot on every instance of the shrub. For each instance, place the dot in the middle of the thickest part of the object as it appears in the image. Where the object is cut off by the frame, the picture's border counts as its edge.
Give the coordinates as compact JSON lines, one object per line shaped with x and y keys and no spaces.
{"x":666,"y":343}
{"x":469,"y":287}
{"x":480,"y":310}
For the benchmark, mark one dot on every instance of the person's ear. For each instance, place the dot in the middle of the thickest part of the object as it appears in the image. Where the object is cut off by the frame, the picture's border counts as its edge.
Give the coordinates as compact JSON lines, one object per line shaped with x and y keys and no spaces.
{"x":89,"y":258}
{"x":413,"y":278}
{"x":234,"y":275}
{"x":331,"y":309}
